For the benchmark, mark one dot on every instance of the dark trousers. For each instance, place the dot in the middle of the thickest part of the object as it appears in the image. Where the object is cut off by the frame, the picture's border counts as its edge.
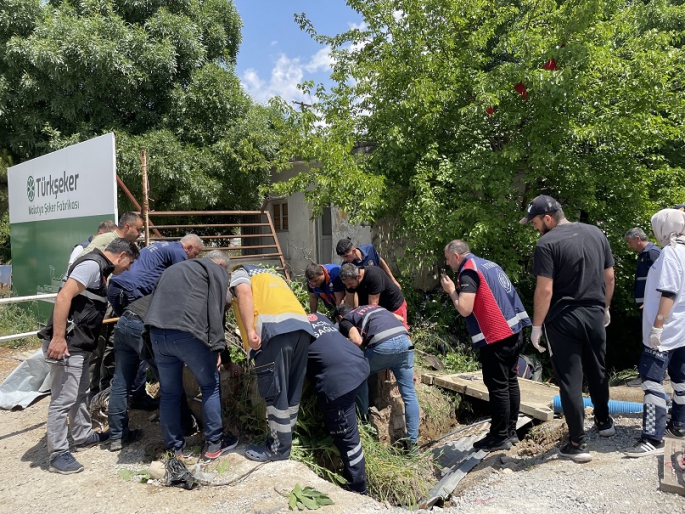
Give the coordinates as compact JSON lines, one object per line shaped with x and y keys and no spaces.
{"x":577,"y":340}
{"x":500,"y":362}
{"x":652,"y":367}
{"x":340,"y":417}
{"x":280,"y":367}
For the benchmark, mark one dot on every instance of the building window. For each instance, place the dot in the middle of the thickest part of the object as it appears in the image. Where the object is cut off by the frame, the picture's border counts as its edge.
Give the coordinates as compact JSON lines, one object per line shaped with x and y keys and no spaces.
{"x":281,"y":216}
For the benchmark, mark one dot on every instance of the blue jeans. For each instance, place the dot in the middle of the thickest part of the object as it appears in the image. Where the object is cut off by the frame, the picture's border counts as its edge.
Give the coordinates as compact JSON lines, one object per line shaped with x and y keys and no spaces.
{"x":128,"y":346}
{"x":395,"y":355}
{"x":172,"y":349}
{"x":653,"y":364}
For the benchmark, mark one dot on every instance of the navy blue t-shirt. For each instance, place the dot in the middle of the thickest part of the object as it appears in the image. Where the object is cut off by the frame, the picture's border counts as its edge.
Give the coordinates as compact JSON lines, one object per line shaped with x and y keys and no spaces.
{"x":336,"y":366}
{"x":146,"y":270}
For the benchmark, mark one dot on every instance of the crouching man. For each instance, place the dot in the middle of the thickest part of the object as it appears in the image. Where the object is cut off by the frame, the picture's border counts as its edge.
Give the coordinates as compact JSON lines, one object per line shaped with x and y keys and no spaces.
{"x":337,"y":369}
{"x":68,"y":340}
{"x":277,"y":333}
{"x":386,"y":345}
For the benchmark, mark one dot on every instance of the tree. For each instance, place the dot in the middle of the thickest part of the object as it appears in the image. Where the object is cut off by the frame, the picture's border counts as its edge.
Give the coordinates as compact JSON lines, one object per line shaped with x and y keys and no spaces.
{"x":158,"y":73}
{"x":475,"y":107}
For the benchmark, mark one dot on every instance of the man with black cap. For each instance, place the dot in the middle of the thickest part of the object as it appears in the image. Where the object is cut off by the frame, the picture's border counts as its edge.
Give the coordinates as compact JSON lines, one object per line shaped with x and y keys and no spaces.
{"x":575,"y":282}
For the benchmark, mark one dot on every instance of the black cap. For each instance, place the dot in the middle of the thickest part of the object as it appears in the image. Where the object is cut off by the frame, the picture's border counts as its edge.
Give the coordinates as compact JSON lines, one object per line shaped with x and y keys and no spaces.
{"x":680,"y":207}
{"x":542,"y":204}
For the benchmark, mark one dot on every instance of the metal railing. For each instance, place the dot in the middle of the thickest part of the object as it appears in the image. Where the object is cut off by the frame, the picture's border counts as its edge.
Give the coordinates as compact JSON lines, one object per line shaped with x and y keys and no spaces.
{"x":19,"y":299}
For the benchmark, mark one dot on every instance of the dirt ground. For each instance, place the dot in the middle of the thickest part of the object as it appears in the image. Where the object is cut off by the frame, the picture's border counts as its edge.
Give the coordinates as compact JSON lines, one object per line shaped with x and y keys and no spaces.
{"x":111,"y":481}
{"x":529,"y":478}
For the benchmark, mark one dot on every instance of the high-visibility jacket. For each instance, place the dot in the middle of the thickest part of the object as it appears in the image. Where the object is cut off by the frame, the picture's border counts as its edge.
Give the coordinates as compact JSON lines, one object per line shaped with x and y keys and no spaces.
{"x":276,"y":309}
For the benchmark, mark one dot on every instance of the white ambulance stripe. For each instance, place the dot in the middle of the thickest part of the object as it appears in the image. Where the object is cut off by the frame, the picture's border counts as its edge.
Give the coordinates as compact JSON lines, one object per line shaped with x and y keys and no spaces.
{"x":650,"y":385}
{"x":512,"y":322}
{"x":651,"y":399}
{"x":355,"y":461}
{"x":680,"y":387}
{"x":277,"y":318}
{"x":354,"y":450}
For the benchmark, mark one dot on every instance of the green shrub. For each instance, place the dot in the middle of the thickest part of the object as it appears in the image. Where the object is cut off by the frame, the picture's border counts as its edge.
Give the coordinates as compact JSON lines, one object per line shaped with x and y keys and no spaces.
{"x":16,"y":319}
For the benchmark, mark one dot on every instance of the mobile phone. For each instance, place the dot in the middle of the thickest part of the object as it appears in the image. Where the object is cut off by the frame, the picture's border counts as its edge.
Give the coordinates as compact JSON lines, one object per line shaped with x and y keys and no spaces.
{"x":54,"y":361}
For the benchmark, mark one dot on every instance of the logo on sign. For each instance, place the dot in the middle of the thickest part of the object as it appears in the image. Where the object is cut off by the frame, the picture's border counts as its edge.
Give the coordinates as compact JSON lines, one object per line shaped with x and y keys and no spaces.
{"x":30,"y":189}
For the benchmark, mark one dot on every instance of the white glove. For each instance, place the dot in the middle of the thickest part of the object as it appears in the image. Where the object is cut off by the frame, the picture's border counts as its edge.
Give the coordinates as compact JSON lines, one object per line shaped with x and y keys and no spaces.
{"x":535,"y":336}
{"x":655,"y":337}
{"x":607,"y":317}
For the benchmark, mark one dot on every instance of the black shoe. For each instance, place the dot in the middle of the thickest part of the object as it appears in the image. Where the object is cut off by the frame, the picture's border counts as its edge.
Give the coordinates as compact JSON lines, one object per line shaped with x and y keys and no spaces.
{"x":606,"y":429}
{"x":645,"y":447}
{"x":514,"y":438}
{"x":675,"y":432}
{"x":144,"y":402}
{"x":131,"y":437}
{"x":490,"y":444}
{"x":94,"y":439}
{"x":578,"y":453}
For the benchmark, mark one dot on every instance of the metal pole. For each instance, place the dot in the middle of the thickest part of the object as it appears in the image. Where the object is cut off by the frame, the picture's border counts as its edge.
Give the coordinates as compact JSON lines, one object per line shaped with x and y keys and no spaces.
{"x":146,"y":199}
{"x":4,"y":339}
{"x":19,"y":299}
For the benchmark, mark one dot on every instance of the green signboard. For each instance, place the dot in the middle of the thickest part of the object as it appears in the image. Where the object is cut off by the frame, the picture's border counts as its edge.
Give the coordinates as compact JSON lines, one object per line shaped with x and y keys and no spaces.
{"x":55,"y":202}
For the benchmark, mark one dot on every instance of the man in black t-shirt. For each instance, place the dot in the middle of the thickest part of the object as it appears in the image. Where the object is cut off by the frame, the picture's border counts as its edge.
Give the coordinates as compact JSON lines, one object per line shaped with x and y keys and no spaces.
{"x":373,"y":287}
{"x":575,"y":283}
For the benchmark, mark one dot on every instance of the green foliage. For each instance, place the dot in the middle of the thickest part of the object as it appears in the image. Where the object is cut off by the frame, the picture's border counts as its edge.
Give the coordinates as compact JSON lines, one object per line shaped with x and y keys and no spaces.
{"x":435,"y":87}
{"x":307,"y":498}
{"x":17,"y":320}
{"x":159,"y":74}
{"x":126,"y":475}
{"x":394,"y":476}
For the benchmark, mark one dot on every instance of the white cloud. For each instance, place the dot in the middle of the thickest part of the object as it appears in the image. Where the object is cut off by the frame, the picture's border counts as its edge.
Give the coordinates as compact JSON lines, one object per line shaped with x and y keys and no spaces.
{"x":274,"y":43}
{"x":286,"y":74}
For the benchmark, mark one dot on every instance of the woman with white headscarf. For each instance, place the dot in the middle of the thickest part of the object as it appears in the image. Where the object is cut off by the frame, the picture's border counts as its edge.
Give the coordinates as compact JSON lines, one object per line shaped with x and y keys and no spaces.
{"x":663,"y":335}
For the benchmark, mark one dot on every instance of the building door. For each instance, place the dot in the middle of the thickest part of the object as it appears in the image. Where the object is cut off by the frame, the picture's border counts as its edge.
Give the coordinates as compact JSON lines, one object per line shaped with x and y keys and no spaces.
{"x":325,"y":246}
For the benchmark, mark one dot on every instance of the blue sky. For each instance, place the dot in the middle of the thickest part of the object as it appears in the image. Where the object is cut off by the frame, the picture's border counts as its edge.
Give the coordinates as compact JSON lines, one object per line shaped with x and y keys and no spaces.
{"x":276,"y":55}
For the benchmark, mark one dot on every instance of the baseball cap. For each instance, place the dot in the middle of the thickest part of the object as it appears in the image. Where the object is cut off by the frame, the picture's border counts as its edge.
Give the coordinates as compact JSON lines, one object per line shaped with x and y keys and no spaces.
{"x":680,"y":207}
{"x":542,"y":204}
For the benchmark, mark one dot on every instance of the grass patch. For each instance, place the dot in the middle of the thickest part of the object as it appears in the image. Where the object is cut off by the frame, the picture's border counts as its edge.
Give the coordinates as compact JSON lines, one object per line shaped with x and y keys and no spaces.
{"x":17,"y":320}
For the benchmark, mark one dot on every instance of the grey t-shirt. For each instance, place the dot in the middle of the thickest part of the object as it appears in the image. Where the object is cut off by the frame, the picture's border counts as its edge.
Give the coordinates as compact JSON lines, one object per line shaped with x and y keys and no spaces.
{"x":88,"y":274}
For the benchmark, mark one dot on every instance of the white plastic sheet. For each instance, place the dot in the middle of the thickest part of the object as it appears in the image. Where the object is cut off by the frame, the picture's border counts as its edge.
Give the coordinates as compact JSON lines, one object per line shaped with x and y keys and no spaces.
{"x":29,"y":381}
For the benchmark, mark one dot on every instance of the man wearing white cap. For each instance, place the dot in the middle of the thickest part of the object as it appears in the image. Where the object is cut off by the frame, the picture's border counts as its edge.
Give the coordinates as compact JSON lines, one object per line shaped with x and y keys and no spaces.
{"x":575,"y":282}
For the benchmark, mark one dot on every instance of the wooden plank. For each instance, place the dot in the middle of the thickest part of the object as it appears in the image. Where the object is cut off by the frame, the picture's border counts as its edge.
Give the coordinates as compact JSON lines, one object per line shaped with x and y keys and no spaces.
{"x":674,"y":466}
{"x":427,"y":379}
{"x":536,"y":397}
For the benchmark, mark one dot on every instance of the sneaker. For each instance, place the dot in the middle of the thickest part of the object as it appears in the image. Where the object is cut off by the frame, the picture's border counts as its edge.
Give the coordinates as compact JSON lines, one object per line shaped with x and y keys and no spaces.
{"x":263,"y":454}
{"x":66,"y":464}
{"x":675,"y":432}
{"x":131,"y":437}
{"x":644,"y":447}
{"x":94,"y":439}
{"x":218,"y":448}
{"x":606,"y":429}
{"x":490,"y":444}
{"x":578,"y":453}
{"x":185,"y":452}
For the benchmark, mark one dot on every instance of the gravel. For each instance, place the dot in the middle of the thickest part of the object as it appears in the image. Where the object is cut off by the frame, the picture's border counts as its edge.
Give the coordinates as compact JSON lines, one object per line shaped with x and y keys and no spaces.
{"x":610,"y":483}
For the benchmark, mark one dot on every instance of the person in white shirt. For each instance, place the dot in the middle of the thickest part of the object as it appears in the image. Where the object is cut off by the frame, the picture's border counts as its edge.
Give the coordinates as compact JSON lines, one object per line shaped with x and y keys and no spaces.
{"x":663,"y":336}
